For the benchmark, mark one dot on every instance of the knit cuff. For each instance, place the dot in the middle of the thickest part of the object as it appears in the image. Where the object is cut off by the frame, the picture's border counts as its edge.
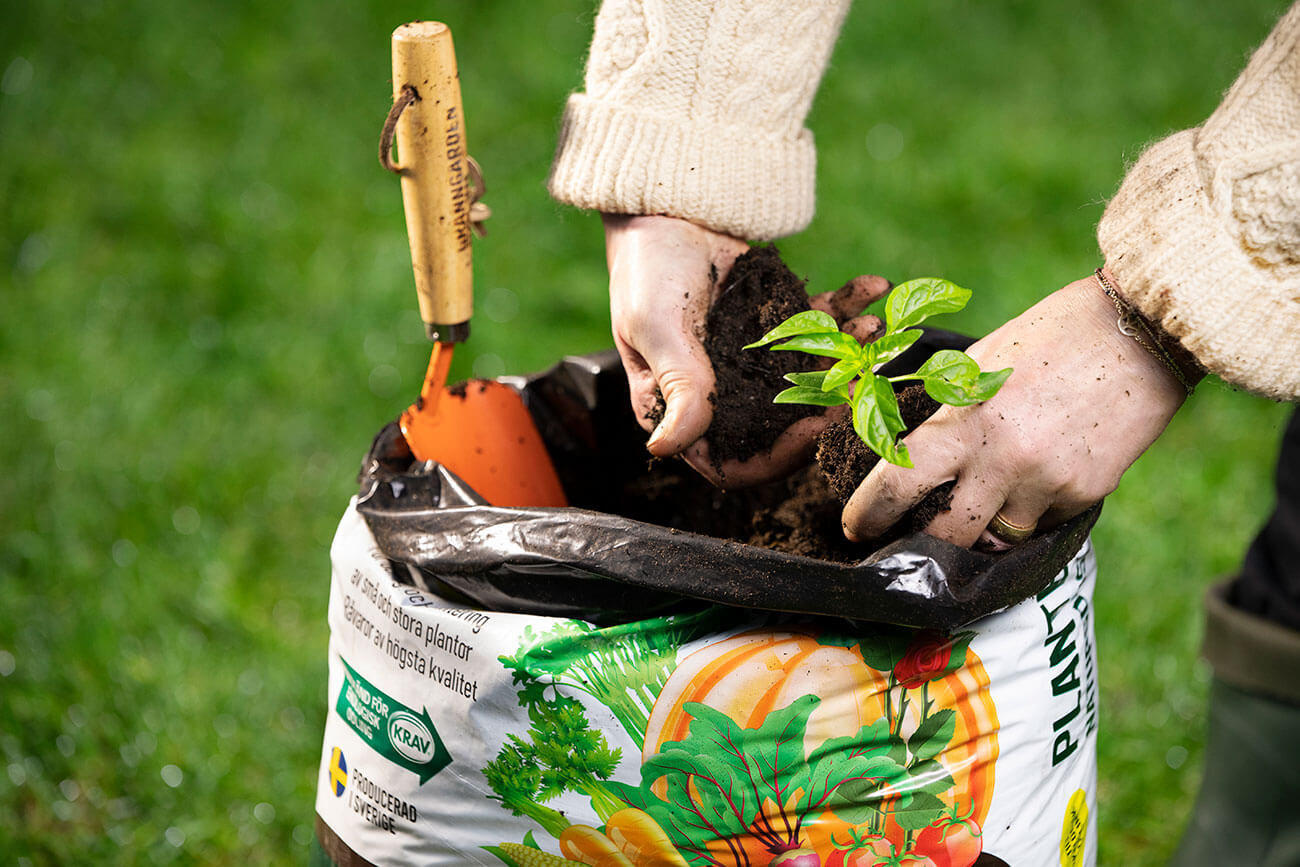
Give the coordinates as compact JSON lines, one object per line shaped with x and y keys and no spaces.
{"x":1178,"y":256}
{"x":732,"y":180}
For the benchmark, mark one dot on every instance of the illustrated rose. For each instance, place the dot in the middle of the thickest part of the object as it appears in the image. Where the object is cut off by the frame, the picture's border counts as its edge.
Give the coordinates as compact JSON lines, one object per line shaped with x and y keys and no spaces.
{"x":926,"y":659}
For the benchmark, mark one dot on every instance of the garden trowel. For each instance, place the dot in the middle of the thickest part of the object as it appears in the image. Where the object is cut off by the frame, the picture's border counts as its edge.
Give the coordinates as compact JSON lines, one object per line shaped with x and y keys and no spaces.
{"x":480,"y":431}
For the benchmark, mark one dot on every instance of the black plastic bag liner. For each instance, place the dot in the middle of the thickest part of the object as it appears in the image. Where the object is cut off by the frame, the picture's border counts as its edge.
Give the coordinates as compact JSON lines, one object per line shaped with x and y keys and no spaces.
{"x":603,"y":567}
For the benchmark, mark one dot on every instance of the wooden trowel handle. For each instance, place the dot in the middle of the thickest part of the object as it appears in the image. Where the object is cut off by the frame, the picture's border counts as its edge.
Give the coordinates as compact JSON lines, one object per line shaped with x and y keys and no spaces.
{"x":435,"y":177}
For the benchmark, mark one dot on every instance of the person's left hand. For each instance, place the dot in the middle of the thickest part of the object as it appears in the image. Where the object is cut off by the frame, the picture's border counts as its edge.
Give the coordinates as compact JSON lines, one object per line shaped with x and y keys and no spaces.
{"x":1084,"y":401}
{"x":661,"y":287}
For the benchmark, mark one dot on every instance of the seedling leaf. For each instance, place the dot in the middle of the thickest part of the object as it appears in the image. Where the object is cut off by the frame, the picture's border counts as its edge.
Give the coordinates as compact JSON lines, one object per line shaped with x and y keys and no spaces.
{"x":832,"y":345}
{"x":890,"y":346}
{"x":912,"y":302}
{"x":990,"y":382}
{"x":812,"y":396}
{"x":949,"y":393}
{"x":955,"y":378}
{"x":807,"y":322}
{"x":877,"y":420}
{"x":950,"y":365}
{"x":949,"y":376}
{"x":842,"y":373}
{"x":810,"y":378}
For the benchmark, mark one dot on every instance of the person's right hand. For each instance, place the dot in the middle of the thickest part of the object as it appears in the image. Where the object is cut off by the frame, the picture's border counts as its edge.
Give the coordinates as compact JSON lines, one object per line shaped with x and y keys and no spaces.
{"x":1085,"y":400}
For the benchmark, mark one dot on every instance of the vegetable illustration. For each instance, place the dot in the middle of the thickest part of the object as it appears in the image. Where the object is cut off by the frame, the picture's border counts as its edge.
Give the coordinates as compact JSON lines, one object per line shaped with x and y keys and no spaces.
{"x":949,"y":376}
{"x":906,"y":859}
{"x":858,"y":858}
{"x":641,"y":839}
{"x":586,"y":845}
{"x":952,"y":840}
{"x":862,"y":850}
{"x":751,"y":753}
{"x":726,"y":783}
{"x":929,"y":657}
{"x":561,"y":753}
{"x":622,"y":667}
{"x":775,"y":748}
{"x":630,"y":839}
{"x":801,"y":857}
{"x":747,"y":675}
{"x":519,"y":855}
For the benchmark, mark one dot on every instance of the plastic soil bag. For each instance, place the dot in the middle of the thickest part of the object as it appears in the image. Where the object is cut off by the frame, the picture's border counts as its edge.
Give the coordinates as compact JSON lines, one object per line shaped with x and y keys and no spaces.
{"x":560,"y":686}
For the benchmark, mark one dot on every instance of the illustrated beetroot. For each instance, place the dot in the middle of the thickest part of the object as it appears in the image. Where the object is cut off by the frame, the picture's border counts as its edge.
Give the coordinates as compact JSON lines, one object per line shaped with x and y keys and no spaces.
{"x":800,"y":857}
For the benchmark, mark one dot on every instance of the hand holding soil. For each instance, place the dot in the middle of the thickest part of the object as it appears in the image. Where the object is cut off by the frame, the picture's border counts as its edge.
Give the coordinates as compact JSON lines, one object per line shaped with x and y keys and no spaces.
{"x":752,"y":440}
{"x":675,"y":287}
{"x":663,"y":278}
{"x":1084,"y":403}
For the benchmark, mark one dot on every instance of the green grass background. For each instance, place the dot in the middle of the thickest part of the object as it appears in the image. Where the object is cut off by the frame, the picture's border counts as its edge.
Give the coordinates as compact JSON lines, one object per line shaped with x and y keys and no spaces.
{"x":208,"y":310}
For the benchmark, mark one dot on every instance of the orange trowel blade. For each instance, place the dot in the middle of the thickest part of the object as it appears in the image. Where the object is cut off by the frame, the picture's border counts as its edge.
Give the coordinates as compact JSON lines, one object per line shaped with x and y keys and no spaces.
{"x":482,"y":432}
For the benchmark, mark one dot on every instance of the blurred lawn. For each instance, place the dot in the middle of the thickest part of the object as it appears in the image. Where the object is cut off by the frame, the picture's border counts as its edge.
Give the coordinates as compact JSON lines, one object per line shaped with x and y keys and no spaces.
{"x":208,"y":310}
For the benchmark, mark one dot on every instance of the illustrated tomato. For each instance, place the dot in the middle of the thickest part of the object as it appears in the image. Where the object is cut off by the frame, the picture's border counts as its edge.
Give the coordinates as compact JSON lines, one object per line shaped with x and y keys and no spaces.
{"x":950,"y":842}
{"x":865,"y":852}
{"x":907,"y":859}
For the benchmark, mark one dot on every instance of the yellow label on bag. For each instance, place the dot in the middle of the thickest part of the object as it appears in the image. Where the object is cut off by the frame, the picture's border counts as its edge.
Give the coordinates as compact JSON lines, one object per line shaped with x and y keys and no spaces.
{"x":1074,"y":830}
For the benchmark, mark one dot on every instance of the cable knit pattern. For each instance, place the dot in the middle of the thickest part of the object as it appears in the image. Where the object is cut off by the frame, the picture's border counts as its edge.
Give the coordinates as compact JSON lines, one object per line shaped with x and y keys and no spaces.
{"x":696,"y":110}
{"x":1204,"y":233}
{"x":1267,"y":205}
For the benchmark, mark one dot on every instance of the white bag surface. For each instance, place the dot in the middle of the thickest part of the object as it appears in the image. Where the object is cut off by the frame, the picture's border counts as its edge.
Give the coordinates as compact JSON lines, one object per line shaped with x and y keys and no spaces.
{"x":458,"y":736}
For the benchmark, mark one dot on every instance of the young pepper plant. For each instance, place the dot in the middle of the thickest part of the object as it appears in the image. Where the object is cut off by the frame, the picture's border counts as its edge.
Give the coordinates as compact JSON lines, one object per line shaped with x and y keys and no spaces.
{"x":949,"y":376}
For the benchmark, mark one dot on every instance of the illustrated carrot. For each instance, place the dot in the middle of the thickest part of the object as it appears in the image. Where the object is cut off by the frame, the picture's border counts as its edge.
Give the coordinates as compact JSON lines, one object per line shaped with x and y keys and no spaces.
{"x":586,"y":845}
{"x":641,"y":839}
{"x":527,"y":856}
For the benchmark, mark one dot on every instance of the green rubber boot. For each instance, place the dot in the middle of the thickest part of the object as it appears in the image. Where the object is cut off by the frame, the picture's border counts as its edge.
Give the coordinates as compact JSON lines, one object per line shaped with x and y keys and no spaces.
{"x":1247,"y":813}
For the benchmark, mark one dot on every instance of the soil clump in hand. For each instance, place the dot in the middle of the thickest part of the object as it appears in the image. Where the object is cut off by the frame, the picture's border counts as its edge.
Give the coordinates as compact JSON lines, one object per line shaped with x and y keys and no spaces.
{"x":845,"y":460}
{"x":759,"y":294}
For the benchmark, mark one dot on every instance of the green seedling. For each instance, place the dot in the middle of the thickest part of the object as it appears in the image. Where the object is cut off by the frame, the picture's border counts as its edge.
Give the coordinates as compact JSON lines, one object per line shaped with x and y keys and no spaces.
{"x":949,"y":376}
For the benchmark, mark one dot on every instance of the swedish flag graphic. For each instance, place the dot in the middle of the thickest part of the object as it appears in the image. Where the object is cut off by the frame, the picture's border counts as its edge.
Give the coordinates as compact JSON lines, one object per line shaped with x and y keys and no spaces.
{"x":338,"y":772}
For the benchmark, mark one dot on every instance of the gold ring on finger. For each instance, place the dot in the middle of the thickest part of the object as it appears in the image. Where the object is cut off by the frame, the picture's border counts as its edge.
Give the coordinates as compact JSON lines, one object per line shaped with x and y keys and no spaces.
{"x":1011,"y":533}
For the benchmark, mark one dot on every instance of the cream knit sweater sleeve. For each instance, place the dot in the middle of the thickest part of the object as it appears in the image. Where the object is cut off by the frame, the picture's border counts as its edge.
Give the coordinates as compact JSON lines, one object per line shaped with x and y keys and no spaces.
{"x":1204,"y":233}
{"x":695,"y":109}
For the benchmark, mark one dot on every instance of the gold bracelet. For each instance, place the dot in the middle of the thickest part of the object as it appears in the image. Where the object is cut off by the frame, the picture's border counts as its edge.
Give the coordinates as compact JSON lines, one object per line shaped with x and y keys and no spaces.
{"x":1133,"y":324}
